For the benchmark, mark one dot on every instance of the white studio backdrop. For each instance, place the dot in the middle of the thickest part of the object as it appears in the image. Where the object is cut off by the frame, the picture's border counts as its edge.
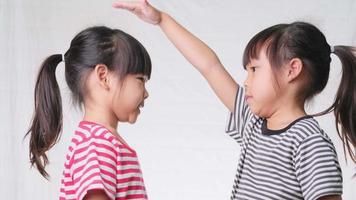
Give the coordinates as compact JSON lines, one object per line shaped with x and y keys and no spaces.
{"x":179,"y":137}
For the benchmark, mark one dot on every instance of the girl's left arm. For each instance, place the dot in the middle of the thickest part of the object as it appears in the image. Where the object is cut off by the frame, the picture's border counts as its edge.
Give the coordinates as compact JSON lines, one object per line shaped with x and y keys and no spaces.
{"x":96,"y":195}
{"x":331,"y":197}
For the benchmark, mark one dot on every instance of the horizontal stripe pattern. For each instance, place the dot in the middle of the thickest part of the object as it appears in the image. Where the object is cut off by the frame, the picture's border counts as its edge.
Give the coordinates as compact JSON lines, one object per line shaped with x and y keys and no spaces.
{"x":297,"y":163}
{"x":96,"y":159}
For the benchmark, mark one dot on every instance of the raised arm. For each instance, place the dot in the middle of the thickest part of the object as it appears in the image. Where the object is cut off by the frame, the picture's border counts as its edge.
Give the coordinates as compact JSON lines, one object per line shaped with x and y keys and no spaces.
{"x":192,"y":48}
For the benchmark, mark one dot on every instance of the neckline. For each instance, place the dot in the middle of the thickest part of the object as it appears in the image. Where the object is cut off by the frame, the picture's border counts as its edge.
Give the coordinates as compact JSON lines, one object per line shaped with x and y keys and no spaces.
{"x":266,"y":131}
{"x":122,"y":142}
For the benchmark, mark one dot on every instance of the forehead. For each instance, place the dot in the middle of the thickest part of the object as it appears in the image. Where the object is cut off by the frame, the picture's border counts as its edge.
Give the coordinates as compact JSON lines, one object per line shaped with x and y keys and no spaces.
{"x":258,"y":49}
{"x":260,"y":60}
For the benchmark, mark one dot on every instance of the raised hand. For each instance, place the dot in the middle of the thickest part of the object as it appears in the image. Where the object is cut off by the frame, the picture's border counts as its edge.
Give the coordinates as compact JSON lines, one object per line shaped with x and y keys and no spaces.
{"x":192,"y":48}
{"x":142,"y":9}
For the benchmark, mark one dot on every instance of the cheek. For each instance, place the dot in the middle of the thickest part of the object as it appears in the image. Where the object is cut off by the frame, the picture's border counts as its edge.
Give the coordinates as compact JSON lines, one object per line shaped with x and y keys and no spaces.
{"x":134,"y":99}
{"x":130,"y":101}
{"x":263,"y":88}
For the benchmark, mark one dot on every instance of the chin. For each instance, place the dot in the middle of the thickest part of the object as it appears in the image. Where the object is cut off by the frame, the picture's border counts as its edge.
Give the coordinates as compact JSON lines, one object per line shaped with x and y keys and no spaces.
{"x":255,"y":111}
{"x":129,"y":119}
{"x":132,"y":119}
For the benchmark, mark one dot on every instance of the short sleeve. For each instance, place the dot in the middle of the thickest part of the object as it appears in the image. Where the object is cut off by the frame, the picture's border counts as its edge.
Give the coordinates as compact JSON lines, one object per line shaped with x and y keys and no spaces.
{"x":94,"y":167}
{"x":317,"y":168}
{"x":238,"y":119}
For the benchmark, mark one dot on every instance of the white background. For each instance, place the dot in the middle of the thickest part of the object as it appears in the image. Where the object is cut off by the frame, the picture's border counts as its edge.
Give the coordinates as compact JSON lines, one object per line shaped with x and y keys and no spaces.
{"x":180,"y":139}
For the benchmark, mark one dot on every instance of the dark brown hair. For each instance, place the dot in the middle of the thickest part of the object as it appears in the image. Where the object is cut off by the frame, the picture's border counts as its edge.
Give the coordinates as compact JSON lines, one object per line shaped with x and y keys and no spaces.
{"x":116,"y":49}
{"x":284,"y":42}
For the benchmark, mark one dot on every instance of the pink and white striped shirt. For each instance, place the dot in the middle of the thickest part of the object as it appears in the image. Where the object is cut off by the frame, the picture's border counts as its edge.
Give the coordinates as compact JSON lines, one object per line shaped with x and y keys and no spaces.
{"x":98,"y":160}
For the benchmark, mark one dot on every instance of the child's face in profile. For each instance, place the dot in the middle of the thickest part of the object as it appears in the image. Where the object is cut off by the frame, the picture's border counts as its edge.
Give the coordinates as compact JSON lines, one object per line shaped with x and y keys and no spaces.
{"x":261,"y":94}
{"x":129,"y":96}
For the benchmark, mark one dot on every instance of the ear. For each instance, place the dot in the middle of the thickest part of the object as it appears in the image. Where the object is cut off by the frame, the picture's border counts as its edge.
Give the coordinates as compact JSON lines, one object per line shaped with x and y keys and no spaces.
{"x":102,"y":75}
{"x":294,"y":69}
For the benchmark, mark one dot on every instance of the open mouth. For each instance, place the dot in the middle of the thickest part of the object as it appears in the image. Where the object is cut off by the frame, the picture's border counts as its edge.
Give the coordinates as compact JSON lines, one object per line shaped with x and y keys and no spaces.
{"x":141,"y":105}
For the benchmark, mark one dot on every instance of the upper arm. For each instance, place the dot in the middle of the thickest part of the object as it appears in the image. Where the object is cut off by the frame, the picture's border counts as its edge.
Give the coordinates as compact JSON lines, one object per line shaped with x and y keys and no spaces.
{"x":96,"y":195}
{"x":224,"y":86}
{"x":330,"y":197}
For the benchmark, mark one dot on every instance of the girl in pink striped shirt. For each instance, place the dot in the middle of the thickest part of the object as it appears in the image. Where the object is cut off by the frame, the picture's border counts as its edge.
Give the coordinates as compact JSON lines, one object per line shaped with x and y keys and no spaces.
{"x":106,"y":71}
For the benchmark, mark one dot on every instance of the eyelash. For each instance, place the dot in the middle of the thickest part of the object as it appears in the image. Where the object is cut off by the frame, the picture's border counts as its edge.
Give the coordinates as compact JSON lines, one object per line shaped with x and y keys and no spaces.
{"x":253,"y":69}
{"x":141,"y":79}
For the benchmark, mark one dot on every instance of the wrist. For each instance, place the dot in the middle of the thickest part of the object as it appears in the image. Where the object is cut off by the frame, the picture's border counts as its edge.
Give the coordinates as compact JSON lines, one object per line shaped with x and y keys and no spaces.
{"x":162,"y":17}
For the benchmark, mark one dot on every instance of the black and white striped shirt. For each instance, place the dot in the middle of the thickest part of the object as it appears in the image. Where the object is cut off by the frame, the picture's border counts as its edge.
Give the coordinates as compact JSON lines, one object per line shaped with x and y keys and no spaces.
{"x":297,"y":162}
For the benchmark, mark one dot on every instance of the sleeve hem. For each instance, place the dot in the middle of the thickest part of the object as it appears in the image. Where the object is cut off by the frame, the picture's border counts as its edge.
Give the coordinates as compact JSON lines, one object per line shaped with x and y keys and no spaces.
{"x":110,"y":195}
{"x":327,"y":194}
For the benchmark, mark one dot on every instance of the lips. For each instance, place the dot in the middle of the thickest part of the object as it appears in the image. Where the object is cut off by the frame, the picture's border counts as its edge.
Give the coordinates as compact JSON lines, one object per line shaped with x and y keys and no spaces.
{"x":142,"y":104}
{"x":247,"y":97}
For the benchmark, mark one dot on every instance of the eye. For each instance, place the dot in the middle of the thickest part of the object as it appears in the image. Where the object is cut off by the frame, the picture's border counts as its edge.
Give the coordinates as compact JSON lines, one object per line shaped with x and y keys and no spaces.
{"x":253,"y":68}
{"x":142,"y":79}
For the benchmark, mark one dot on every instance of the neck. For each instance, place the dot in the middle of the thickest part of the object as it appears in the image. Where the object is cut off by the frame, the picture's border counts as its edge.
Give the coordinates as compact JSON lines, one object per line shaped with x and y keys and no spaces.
{"x":285,"y":115}
{"x":101,"y":116}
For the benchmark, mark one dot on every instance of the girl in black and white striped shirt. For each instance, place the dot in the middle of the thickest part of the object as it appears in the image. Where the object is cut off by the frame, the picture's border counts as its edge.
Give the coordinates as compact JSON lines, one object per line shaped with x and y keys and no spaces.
{"x":285,"y":154}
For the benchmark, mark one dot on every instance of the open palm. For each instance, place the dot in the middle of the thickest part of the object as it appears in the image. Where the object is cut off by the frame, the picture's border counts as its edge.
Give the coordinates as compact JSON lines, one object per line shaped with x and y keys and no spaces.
{"x":142,"y":9}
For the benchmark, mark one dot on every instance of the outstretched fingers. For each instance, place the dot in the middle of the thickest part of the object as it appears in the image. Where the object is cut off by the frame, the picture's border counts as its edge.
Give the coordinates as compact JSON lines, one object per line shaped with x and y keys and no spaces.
{"x":131,"y":5}
{"x":140,"y":8}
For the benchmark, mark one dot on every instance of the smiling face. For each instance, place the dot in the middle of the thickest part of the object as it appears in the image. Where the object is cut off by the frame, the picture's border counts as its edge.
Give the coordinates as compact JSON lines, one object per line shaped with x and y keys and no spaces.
{"x":261,"y":86}
{"x":128,"y":97}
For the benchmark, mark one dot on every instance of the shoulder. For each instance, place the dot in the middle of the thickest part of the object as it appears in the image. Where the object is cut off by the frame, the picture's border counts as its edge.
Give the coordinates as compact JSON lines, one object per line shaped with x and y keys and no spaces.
{"x":93,"y":138}
{"x":307,"y":136}
{"x":89,"y":131}
{"x":306,"y":133}
{"x":307,"y":129}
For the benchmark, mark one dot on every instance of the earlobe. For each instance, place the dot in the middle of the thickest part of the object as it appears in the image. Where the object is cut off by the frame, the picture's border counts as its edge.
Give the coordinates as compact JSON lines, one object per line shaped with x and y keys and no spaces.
{"x":294,"y":69}
{"x":102,"y":75}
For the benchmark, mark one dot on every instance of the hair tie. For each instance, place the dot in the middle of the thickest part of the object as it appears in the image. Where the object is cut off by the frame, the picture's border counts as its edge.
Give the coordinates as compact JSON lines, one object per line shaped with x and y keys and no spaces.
{"x":332,"y":49}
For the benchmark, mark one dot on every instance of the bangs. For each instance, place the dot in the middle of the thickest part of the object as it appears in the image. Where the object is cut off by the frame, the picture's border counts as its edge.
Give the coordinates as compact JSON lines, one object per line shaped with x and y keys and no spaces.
{"x":253,"y":49}
{"x":268,"y":40}
{"x":132,"y":57}
{"x":140,"y":61}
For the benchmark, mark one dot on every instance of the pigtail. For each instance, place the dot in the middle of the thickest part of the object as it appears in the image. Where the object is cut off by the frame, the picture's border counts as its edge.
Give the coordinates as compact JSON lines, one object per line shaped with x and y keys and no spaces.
{"x":47,"y":119}
{"x":344,"y":106}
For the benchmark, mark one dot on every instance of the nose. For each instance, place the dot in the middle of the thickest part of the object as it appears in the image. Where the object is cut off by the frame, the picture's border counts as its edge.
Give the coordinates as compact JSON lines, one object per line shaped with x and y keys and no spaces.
{"x":245,"y":83}
{"x":145,"y":95}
